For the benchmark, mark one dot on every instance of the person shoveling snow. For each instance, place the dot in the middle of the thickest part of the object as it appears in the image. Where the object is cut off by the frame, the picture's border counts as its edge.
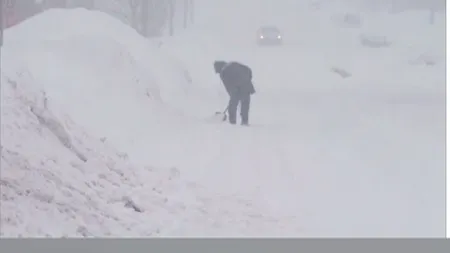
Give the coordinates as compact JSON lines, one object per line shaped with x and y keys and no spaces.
{"x":237,"y":79}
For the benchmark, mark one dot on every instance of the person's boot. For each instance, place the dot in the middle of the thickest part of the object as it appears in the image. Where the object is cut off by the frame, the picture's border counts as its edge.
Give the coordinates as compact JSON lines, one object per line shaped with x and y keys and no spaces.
{"x":244,"y":120}
{"x":232,"y":109}
{"x":245,"y":105}
{"x":232,"y":120}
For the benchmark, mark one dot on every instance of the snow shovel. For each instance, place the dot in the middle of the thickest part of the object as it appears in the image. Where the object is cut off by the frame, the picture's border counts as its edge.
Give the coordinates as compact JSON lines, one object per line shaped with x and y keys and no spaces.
{"x":224,"y":114}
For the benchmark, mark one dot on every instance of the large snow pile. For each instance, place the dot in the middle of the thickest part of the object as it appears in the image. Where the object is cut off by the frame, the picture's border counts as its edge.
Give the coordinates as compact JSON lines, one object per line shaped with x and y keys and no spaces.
{"x":63,"y":93}
{"x":97,"y":59}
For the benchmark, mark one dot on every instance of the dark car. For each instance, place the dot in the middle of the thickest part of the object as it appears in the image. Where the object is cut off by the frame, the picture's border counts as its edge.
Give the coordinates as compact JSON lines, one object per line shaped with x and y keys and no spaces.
{"x":269,"y":35}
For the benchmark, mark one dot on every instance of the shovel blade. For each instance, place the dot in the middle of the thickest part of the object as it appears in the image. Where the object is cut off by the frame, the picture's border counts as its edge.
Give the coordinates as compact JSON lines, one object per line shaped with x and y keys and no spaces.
{"x":217,"y":117}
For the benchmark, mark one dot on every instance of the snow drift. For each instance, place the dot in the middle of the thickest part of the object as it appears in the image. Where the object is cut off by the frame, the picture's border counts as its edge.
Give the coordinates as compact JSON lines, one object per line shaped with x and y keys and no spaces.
{"x":70,"y":98}
{"x":101,"y":70}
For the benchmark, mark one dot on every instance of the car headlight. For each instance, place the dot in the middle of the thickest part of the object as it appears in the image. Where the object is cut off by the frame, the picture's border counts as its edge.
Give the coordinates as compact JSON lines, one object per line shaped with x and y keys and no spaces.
{"x":261,"y":37}
{"x":279,"y":36}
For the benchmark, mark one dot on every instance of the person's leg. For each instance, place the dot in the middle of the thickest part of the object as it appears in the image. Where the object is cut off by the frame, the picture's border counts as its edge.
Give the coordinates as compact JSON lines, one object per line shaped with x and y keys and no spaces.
{"x":232,"y":109}
{"x":245,"y":108}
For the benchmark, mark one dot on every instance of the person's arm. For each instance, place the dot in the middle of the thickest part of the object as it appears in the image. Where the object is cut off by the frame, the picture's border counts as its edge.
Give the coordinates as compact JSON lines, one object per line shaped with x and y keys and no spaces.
{"x":252,"y":88}
{"x":228,"y":88}
{"x":225,"y":83}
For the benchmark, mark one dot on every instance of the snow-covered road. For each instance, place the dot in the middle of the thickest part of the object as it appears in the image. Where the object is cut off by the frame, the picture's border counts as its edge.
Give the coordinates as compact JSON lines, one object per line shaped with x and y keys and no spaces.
{"x":358,"y":157}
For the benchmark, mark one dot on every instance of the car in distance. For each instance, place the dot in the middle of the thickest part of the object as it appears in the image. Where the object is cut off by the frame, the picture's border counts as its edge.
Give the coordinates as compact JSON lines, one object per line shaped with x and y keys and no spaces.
{"x":269,"y":35}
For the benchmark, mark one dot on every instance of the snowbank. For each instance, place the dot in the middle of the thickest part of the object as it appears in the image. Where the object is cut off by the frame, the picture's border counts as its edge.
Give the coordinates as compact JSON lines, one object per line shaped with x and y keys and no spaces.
{"x":69,"y":98}
{"x":49,"y":189}
{"x":98,"y":59}
{"x":56,"y":179}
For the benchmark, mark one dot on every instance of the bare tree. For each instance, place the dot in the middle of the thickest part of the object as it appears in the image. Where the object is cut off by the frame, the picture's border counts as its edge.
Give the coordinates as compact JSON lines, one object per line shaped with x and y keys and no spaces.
{"x":144,"y":17}
{"x":120,"y":9}
{"x":171,"y":16}
{"x":432,"y":18}
{"x":186,"y":7}
{"x":158,"y":16}
{"x":1,"y":24}
{"x":191,"y":10}
{"x":134,"y":7}
{"x":148,"y":17}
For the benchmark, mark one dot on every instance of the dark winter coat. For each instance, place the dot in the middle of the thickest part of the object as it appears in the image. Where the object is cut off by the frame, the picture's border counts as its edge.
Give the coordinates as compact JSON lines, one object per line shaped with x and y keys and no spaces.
{"x":236,"y":77}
